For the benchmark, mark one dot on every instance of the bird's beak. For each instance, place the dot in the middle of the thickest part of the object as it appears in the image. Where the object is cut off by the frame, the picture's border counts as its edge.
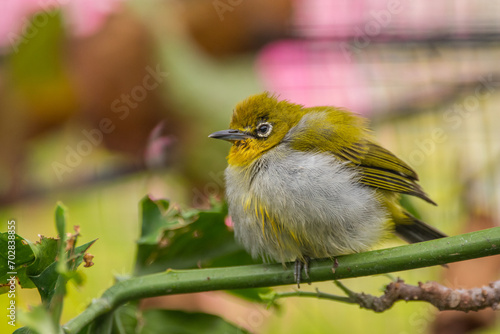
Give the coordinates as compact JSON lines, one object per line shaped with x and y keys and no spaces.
{"x":230,"y":135}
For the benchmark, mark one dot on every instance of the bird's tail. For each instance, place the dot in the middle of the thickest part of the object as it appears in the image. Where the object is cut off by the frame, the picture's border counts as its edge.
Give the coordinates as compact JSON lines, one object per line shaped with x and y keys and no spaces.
{"x":414,"y":230}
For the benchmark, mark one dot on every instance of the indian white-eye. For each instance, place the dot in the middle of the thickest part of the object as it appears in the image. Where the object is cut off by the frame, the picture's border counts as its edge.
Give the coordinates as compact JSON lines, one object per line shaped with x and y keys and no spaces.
{"x":305,"y":183}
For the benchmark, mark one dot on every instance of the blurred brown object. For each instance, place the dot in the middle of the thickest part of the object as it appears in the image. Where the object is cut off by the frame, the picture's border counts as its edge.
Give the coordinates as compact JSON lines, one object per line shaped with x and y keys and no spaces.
{"x":469,"y":274}
{"x":112,"y":75}
{"x":227,"y":27}
{"x":112,"y":71}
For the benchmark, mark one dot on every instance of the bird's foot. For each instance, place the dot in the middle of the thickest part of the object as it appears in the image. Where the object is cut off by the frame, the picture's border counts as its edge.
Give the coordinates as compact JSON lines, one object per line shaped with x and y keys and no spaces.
{"x":299,"y":265}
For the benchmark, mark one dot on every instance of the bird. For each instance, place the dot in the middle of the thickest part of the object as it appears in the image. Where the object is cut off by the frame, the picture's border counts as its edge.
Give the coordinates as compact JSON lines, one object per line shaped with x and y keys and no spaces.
{"x":307,"y":183}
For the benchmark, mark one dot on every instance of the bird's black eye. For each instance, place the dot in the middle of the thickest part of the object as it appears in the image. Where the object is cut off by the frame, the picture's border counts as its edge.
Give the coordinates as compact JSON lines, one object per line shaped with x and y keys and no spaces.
{"x":264,"y":129}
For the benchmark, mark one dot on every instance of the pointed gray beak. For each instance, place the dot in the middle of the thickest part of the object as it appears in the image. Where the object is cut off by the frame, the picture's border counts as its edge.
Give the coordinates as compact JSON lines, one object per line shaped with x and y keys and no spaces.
{"x":230,"y":135}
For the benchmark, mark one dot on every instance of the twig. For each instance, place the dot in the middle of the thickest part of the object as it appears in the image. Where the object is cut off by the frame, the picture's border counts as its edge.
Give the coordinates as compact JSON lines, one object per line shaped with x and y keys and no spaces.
{"x":440,"y":296}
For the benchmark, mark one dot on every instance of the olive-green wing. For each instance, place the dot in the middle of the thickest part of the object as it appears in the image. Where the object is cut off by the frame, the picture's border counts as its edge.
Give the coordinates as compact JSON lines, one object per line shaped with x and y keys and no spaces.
{"x":383,"y":170}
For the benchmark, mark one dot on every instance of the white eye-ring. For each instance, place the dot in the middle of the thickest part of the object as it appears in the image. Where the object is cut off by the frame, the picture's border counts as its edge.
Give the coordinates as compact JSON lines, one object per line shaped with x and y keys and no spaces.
{"x":264,"y":129}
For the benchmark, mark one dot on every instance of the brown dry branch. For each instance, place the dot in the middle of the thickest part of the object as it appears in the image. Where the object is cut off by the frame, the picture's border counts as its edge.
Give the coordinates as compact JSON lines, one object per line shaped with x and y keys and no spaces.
{"x":440,"y":296}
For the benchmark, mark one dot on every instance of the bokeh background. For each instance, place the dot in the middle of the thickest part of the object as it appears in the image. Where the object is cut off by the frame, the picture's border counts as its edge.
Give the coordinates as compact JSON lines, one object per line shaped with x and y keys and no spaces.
{"x":102,"y":102}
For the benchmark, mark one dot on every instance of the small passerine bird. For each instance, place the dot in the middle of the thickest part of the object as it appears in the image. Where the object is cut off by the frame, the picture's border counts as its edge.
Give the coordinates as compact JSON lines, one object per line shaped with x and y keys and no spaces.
{"x":305,"y":183}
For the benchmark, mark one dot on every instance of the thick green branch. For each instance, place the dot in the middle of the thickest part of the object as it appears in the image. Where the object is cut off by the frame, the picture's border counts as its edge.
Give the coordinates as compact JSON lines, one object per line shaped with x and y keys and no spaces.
{"x":435,"y":252}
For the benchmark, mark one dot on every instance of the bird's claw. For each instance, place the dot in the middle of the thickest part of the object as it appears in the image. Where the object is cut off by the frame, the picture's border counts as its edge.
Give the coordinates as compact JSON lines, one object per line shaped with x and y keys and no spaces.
{"x":299,"y":265}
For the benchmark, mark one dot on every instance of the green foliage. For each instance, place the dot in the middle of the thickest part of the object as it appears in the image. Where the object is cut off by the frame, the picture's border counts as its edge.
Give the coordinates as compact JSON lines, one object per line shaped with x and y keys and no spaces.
{"x":177,"y":239}
{"x":131,"y":319}
{"x":24,"y":256}
{"x":46,"y":280}
{"x":170,"y":239}
{"x":48,"y":265}
{"x":36,"y":263}
{"x":39,"y":320}
{"x":167,"y":321}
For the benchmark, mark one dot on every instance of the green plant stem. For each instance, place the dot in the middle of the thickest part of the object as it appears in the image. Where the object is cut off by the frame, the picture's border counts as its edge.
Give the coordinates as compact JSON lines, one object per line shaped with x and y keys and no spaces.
{"x":318,"y":294}
{"x":436,"y":252}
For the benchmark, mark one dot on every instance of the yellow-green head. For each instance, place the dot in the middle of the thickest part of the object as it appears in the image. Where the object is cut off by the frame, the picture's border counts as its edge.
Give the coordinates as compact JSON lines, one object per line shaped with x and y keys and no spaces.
{"x":261,"y":122}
